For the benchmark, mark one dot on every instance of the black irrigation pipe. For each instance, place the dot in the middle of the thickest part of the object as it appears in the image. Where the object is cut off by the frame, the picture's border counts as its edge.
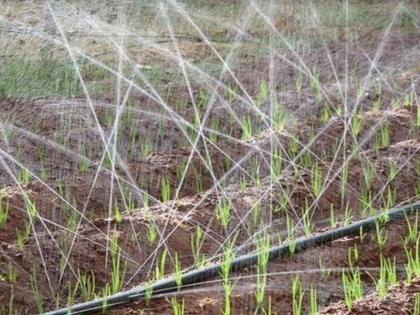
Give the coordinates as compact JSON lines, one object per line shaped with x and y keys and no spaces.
{"x":168,"y":285}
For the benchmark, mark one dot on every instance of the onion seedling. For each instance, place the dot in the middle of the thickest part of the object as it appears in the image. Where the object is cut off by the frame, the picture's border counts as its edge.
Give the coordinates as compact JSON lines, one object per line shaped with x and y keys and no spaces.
{"x":316,"y":180}
{"x":87,"y":285}
{"x":165,"y":189}
{"x":297,"y":296}
{"x":178,"y":308}
{"x":247,"y":128}
{"x":4,"y":209}
{"x":196,"y":242}
{"x":352,"y":287}
{"x":313,"y":301}
{"x":263,"y":248}
{"x":223,"y":213}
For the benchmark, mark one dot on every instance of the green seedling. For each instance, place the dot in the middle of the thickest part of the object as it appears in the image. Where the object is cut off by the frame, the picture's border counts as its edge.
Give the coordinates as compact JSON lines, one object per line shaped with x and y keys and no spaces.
{"x":165,"y":189}
{"x":306,"y":219}
{"x":214,"y":125}
{"x":4,"y":208}
{"x":178,"y":272}
{"x":247,"y":129}
{"x":225,"y":269}
{"x":198,"y":181}
{"x":231,"y":93}
{"x":313,"y":301}
{"x":293,"y":147}
{"x":353,"y":256}
{"x":178,"y":308}
{"x":145,"y":148}
{"x":161,"y":265}
{"x":333,"y":218}
{"x":347,"y":214}
{"x":384,"y":138}
{"x":118,"y":218}
{"x":151,"y":234}
{"x":276,"y":164}
{"x":118,"y":270}
{"x":263,"y":94}
{"x":279,"y":117}
{"x":291,"y":234}
{"x":366,"y":202}
{"x":196,"y":242}
{"x":381,"y":236}
{"x":299,"y":82}
{"x":283,"y":201}
{"x":39,"y":302}
{"x":387,"y":276}
{"x":413,"y":232}
{"x":377,"y":104}
{"x":326,"y":114}
{"x":223,"y":213}
{"x":316,"y":180}
{"x":412,"y":267}
{"x":356,"y":125}
{"x":344,"y":179}
{"x":316,"y":86}
{"x":263,"y":248}
{"x":352,"y":287}
{"x":256,"y":213}
{"x":243,"y":183}
{"x":106,"y":292}
{"x":255,"y":171}
{"x":87,"y":285}
{"x":24,"y":177}
{"x":416,"y":310}
{"x":297,"y":297}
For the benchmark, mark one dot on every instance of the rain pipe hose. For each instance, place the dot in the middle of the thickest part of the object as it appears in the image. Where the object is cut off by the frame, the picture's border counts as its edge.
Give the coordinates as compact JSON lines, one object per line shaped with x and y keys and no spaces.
{"x":169,"y":284}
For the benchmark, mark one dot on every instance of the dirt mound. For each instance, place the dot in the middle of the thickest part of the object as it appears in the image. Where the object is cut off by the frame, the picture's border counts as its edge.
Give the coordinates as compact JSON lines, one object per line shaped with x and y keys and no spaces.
{"x":400,"y":299}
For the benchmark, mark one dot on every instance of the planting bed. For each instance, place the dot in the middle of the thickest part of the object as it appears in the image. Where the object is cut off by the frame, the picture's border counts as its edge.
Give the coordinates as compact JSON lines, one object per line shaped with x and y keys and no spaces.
{"x":141,"y":140}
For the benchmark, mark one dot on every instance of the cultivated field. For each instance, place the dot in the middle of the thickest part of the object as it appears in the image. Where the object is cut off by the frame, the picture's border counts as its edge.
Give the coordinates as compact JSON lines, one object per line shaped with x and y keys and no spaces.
{"x":142,"y":140}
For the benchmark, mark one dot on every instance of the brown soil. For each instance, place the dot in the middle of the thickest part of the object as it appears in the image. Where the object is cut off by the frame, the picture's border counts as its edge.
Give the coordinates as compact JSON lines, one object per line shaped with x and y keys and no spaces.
{"x":60,"y":222}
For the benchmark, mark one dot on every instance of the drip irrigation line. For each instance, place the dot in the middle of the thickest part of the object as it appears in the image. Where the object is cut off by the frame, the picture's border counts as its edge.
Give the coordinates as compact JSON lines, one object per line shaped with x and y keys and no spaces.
{"x":168,"y":285}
